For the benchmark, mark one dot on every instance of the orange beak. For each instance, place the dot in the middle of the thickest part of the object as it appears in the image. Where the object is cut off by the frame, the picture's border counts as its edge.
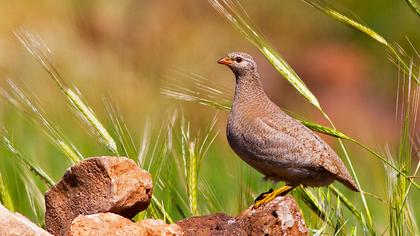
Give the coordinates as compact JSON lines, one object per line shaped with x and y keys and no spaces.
{"x":225,"y":61}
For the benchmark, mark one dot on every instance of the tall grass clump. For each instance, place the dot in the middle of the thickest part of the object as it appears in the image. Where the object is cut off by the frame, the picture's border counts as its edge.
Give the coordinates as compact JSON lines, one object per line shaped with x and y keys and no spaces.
{"x":401,"y":216}
{"x":171,"y":153}
{"x":21,"y":101}
{"x":42,"y":54}
{"x":26,"y":161}
{"x":22,"y":192}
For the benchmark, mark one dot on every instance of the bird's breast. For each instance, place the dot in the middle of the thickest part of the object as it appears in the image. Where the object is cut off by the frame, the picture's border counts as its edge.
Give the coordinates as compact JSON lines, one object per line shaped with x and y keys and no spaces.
{"x":238,"y":135}
{"x":234,"y":135}
{"x":233,"y":132}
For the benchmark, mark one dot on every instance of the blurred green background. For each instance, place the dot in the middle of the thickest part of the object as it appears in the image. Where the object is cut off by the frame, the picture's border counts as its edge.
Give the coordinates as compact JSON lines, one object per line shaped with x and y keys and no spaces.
{"x":128,"y":50}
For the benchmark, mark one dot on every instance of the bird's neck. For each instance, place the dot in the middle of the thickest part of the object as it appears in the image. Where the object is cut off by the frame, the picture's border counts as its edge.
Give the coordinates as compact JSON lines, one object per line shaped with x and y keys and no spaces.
{"x":249,"y":89}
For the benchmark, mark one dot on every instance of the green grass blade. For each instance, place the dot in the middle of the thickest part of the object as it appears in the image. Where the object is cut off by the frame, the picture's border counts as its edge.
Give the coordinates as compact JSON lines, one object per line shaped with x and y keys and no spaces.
{"x":35,"y":198}
{"x":401,"y":218}
{"x":310,"y":200}
{"x":26,"y":162}
{"x":181,"y":205}
{"x":124,"y":137}
{"x":198,"y":89}
{"x":26,"y":104}
{"x":191,"y":98}
{"x":238,"y":17}
{"x":388,"y":163}
{"x":347,"y":20}
{"x":414,"y":5}
{"x":335,"y":133}
{"x":346,"y":202}
{"x":393,"y":50}
{"x":88,"y":115}
{"x":209,"y":195}
{"x":325,"y":130}
{"x":369,"y":224}
{"x":154,"y":161}
{"x":5,"y":197}
{"x":81,"y":109}
{"x":162,"y":210}
{"x":208,"y":140}
{"x":197,"y":149}
{"x":192,"y":179}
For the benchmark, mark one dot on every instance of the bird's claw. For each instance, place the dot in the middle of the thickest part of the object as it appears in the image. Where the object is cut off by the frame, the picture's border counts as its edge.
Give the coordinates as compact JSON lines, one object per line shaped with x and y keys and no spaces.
{"x":266,"y":197}
{"x":263,"y":195}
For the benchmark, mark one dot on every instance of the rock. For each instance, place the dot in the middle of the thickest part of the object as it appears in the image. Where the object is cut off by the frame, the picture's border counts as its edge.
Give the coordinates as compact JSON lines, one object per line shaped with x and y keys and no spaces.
{"x":218,"y":224}
{"x":17,"y":224}
{"x":159,"y":227}
{"x":281,"y":216}
{"x":98,"y":184}
{"x":109,"y":224}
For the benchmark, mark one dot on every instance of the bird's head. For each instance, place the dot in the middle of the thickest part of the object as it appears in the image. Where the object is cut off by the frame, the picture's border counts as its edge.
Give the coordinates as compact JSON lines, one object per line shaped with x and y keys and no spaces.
{"x":240,"y":63}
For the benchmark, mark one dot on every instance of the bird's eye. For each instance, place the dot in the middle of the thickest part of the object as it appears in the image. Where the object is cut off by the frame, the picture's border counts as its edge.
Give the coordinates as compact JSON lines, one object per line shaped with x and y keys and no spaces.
{"x":238,"y":59}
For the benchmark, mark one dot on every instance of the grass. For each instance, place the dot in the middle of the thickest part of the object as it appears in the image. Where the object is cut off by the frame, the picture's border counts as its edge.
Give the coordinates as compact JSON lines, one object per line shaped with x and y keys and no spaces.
{"x":183,"y":160}
{"x":414,"y":5}
{"x":5,"y":197}
{"x":397,"y":53}
{"x":42,"y":53}
{"x":401,"y":217}
{"x":22,"y":100}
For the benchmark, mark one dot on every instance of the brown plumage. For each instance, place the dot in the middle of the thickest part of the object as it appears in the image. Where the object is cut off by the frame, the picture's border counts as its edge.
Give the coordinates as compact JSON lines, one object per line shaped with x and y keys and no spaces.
{"x":271,"y":141}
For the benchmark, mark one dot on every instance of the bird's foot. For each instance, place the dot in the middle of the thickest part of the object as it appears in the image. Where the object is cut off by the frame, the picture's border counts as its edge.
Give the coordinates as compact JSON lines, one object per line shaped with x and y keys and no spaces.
{"x":265,"y":198}
{"x":263,"y":195}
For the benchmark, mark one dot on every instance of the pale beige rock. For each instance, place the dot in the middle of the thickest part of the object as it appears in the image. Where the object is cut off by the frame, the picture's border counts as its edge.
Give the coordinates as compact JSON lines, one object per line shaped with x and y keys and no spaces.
{"x":160,"y":228}
{"x":281,"y":216}
{"x":98,"y":184}
{"x":15,"y":224}
{"x":109,"y":224}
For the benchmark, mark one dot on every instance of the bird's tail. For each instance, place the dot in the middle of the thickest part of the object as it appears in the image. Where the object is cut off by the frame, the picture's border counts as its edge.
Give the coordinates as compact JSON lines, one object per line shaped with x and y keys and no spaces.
{"x":348,"y":182}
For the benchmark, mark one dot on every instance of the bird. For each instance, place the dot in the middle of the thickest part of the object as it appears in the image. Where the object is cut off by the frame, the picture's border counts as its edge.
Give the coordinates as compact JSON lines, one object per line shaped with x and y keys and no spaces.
{"x":274,"y":143}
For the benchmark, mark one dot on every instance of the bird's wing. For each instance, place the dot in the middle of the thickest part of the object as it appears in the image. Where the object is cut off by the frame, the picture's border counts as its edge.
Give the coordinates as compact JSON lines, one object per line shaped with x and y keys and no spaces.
{"x":311,"y":150}
{"x":283,"y":139}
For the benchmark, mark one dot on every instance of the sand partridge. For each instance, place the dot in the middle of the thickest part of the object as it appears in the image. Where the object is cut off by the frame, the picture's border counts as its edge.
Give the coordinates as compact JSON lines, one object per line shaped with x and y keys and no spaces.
{"x":271,"y":141}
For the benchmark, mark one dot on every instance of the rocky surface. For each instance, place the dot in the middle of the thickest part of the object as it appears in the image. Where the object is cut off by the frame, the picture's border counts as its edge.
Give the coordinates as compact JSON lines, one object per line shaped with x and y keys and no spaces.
{"x":98,"y":184}
{"x":109,"y":224}
{"x":99,"y":196}
{"x":281,"y":216}
{"x":14,"y":224}
{"x":218,"y":224}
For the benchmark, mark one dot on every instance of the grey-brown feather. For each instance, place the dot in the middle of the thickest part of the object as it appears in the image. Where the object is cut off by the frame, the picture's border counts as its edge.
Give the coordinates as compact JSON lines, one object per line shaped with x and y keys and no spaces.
{"x":273,"y":142}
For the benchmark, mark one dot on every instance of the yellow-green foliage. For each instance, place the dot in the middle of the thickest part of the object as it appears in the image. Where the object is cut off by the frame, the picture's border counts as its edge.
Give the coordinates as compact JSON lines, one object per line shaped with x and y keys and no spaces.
{"x":127,"y":55}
